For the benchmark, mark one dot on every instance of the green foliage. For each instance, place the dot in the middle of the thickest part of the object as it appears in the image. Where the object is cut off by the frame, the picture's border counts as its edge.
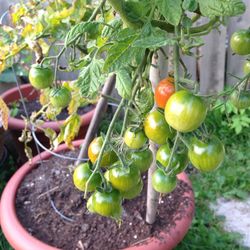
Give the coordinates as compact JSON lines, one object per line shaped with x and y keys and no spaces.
{"x":124,"y":83}
{"x":228,"y":119}
{"x":91,"y":79}
{"x":171,"y":10}
{"x":213,"y":8}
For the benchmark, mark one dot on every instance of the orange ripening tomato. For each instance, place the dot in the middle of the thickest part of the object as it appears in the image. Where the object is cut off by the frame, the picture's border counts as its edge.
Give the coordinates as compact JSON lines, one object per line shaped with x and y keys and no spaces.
{"x":163,"y":91}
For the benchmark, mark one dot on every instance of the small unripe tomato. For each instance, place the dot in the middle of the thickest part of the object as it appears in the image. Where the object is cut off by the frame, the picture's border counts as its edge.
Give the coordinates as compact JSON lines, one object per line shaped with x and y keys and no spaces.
{"x":60,"y":97}
{"x":206,"y":155}
{"x":162,"y":182}
{"x":81,"y":175}
{"x":41,"y":77}
{"x":241,"y":100}
{"x":184,"y":111}
{"x":156,"y":128}
{"x":246,"y":67}
{"x":240,"y":42}
{"x":123,"y":179}
{"x":109,"y":157}
{"x":134,"y":139}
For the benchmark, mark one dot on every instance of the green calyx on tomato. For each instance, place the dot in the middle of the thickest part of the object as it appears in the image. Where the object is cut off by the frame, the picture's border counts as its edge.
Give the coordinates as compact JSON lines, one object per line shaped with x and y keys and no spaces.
{"x":41,"y":77}
{"x":106,"y":203}
{"x":184,"y":111}
{"x":109,"y":157}
{"x":206,"y":155}
{"x":134,"y":139}
{"x":163,"y":91}
{"x":162,"y":182}
{"x":240,"y":42}
{"x":123,"y":179}
{"x":156,"y":128}
{"x":60,"y":97}
{"x":141,"y":159}
{"x":179,"y":161}
{"x":241,"y":99}
{"x":133,"y":192}
{"x":246,"y":67}
{"x":81,"y":175}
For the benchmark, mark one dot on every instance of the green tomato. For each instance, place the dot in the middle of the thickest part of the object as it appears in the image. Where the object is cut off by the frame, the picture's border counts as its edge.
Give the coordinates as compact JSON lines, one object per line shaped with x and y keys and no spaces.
{"x":241,"y":100}
{"x":133,"y":192}
{"x":109,"y":157}
{"x":156,"y":128}
{"x":184,"y":111}
{"x":60,"y":97}
{"x":41,"y":77}
{"x":141,"y":159}
{"x":123,"y":179}
{"x":81,"y":175}
{"x":134,"y":139}
{"x":240,"y":42}
{"x":162,"y":182}
{"x":246,"y":67}
{"x":107,"y":203}
{"x":206,"y":155}
{"x":179,"y":161}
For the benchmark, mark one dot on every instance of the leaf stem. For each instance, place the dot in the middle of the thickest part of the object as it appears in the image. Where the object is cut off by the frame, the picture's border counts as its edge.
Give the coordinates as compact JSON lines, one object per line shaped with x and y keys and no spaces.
{"x":176,"y":60}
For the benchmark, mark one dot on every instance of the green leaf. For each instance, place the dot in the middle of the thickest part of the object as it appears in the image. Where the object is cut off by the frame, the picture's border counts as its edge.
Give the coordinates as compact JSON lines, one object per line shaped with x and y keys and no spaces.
{"x":171,"y":10}
{"x":91,"y":79}
{"x":124,"y":83}
{"x":190,"y":5}
{"x":78,"y":30}
{"x":137,"y":9}
{"x":122,"y":52}
{"x":213,"y":8}
{"x":153,"y":38}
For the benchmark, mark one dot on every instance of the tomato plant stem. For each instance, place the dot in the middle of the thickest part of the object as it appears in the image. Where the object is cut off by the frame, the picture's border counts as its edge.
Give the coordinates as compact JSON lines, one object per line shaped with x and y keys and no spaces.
{"x":176,"y":60}
{"x":106,"y":139}
{"x":176,"y":141}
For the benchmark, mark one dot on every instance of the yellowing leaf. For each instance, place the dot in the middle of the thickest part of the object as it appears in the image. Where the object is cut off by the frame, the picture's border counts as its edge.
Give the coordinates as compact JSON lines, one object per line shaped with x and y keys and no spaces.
{"x":17,"y":11}
{"x":4,"y":114}
{"x":2,"y":65}
{"x":45,"y":46}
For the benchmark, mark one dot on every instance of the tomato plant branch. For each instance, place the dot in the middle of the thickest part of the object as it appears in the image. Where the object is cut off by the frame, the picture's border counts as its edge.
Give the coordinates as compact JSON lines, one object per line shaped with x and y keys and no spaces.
{"x":176,"y":60}
{"x":135,"y":88}
{"x":105,"y":142}
{"x":96,"y":11}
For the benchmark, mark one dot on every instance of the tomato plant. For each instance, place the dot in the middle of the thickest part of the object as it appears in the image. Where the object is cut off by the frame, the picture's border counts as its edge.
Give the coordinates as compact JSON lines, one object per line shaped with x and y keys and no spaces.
{"x":156,"y":128}
{"x":206,"y":155}
{"x":125,"y":38}
{"x":163,"y":91}
{"x":184,"y":111}
{"x":109,"y":157}
{"x":135,"y":139}
{"x":81,"y":175}
{"x":41,"y":77}
{"x":240,"y":42}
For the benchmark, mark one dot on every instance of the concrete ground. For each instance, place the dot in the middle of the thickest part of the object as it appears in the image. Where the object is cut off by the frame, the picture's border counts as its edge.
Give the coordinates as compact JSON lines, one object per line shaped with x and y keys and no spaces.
{"x":237,"y":217}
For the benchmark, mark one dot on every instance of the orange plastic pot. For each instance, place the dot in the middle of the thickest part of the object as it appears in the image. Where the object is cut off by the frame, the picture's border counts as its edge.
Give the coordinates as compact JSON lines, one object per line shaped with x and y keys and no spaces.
{"x":17,"y":125}
{"x":20,"y":239}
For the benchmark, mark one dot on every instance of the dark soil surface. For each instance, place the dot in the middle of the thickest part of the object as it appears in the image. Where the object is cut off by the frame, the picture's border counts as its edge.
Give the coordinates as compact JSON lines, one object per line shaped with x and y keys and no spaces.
{"x":35,"y":105}
{"x":88,"y":231}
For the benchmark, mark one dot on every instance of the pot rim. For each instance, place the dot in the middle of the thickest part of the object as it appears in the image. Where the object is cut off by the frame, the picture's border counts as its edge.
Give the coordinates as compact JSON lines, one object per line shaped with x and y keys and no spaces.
{"x":19,"y":124}
{"x":20,"y":239}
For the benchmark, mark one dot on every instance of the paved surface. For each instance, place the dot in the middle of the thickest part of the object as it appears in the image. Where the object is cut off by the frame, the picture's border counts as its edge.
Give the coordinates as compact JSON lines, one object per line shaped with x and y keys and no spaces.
{"x":237,"y":217}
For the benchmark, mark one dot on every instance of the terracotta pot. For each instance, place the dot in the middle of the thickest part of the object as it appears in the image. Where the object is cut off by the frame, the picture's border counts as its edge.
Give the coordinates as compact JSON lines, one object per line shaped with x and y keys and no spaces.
{"x":20,"y":239}
{"x":17,"y":125}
